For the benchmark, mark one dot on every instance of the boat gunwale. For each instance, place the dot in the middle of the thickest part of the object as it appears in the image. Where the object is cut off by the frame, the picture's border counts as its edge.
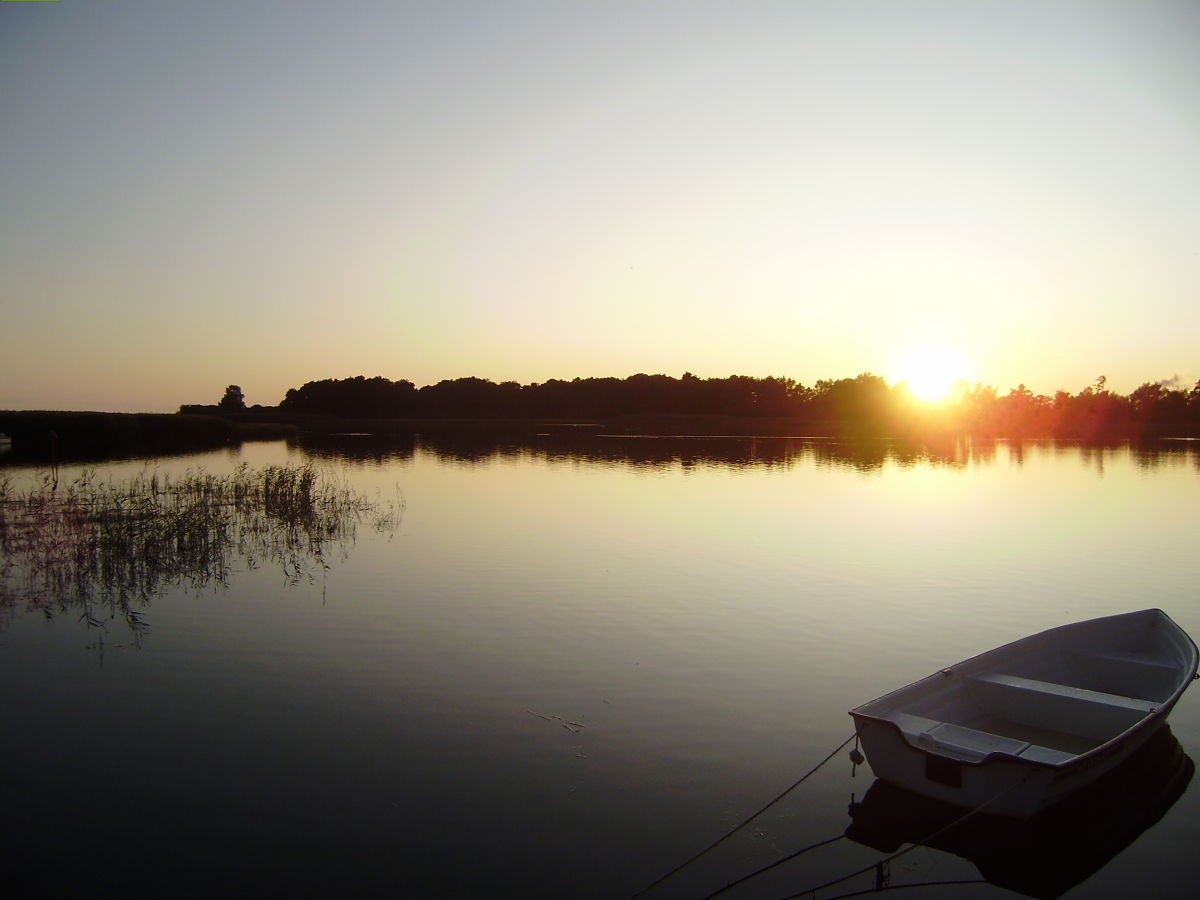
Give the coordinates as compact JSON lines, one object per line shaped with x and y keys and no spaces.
{"x":1149,"y":722}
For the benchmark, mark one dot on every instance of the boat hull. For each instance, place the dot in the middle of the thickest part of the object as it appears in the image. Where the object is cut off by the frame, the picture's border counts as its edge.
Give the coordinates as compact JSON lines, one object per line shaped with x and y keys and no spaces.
{"x":1000,"y":785}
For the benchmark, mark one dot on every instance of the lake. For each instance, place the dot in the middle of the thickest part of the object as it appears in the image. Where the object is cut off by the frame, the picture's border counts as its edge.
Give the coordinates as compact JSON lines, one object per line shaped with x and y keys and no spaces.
{"x":571,"y":663}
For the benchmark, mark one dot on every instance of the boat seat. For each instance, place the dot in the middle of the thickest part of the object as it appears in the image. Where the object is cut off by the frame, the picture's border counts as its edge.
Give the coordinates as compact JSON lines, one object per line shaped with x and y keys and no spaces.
{"x":970,"y":744}
{"x":1060,"y":707}
{"x":912,"y":725}
{"x":1137,"y":674}
{"x":1037,"y":753}
{"x":954,"y":740}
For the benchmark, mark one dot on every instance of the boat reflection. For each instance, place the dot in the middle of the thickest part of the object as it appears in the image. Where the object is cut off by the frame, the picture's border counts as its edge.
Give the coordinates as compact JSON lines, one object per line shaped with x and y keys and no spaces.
{"x":1047,"y":855}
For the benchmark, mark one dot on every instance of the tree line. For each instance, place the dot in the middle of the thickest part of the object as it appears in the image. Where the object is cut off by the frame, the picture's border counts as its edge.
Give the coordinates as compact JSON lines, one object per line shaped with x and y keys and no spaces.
{"x":863,"y":404}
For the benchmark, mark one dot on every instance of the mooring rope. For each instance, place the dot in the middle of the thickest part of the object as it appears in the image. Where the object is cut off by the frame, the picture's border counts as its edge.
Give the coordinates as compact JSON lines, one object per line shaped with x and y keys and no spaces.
{"x":958,"y":882}
{"x":687,"y":862}
{"x":922,"y":842}
{"x":778,"y":862}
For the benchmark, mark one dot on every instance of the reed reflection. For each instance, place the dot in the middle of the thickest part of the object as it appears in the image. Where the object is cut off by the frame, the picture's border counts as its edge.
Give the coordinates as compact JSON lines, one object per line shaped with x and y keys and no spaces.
{"x":106,"y":549}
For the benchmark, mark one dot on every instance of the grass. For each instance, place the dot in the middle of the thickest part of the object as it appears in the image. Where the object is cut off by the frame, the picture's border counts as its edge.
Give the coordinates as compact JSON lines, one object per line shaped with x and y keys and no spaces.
{"x":106,"y":549}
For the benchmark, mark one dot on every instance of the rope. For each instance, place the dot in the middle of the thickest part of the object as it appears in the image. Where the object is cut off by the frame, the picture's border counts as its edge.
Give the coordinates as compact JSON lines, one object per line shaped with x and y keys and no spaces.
{"x":687,"y":862}
{"x":929,"y":837}
{"x":778,"y":862}
{"x":916,"y":884}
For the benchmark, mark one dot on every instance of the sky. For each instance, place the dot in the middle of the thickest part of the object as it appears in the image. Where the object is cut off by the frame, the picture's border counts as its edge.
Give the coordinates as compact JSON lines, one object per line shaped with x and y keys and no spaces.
{"x":273,"y":192}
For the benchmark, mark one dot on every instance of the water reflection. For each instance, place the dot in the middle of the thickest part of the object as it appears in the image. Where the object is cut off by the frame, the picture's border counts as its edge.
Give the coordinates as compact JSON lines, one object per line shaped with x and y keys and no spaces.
{"x":1048,"y":855}
{"x":709,"y":619}
{"x":375,"y":449}
{"x":736,"y":452}
{"x":483,"y":441}
{"x":587,"y":444}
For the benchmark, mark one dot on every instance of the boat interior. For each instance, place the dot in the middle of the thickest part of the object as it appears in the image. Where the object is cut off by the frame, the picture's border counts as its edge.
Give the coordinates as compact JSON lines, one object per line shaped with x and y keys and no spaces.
{"x":1047,"y":699}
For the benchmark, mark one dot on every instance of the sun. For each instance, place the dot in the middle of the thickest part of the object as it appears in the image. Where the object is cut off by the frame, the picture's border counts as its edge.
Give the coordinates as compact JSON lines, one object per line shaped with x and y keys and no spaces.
{"x":932,"y":372}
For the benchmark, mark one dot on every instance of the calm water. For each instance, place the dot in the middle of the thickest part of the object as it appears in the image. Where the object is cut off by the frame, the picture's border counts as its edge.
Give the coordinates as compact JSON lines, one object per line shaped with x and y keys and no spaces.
{"x":574,"y":663}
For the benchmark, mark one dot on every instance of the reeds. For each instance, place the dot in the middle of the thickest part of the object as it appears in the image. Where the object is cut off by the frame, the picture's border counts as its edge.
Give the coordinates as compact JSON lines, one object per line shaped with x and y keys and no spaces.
{"x":107,"y":548}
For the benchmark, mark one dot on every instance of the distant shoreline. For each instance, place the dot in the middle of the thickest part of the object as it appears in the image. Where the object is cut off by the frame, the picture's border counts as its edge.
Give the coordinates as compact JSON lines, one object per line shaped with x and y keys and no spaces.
{"x":42,"y":436}
{"x":50,"y":436}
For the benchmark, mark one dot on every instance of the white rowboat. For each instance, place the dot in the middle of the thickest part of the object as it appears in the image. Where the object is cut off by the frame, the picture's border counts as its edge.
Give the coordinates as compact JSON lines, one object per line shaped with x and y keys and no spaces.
{"x":1018,"y":728}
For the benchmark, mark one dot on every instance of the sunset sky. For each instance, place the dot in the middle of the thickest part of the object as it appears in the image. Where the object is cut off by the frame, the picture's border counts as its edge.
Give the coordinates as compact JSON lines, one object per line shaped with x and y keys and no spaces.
{"x":267,"y":193}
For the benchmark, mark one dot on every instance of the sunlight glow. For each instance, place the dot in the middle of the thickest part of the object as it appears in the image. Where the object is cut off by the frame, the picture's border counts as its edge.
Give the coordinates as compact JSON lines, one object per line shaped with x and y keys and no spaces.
{"x":931,"y":373}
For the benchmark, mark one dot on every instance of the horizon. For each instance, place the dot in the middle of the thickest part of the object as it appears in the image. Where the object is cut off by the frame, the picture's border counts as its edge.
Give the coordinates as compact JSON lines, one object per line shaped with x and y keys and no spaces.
{"x":934,"y":392}
{"x":211,"y":194}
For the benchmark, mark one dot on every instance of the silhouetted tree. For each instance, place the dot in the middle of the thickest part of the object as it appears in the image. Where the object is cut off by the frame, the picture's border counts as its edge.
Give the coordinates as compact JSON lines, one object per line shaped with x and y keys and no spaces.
{"x":233,"y":399}
{"x":863,"y":405}
{"x":358,"y":396}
